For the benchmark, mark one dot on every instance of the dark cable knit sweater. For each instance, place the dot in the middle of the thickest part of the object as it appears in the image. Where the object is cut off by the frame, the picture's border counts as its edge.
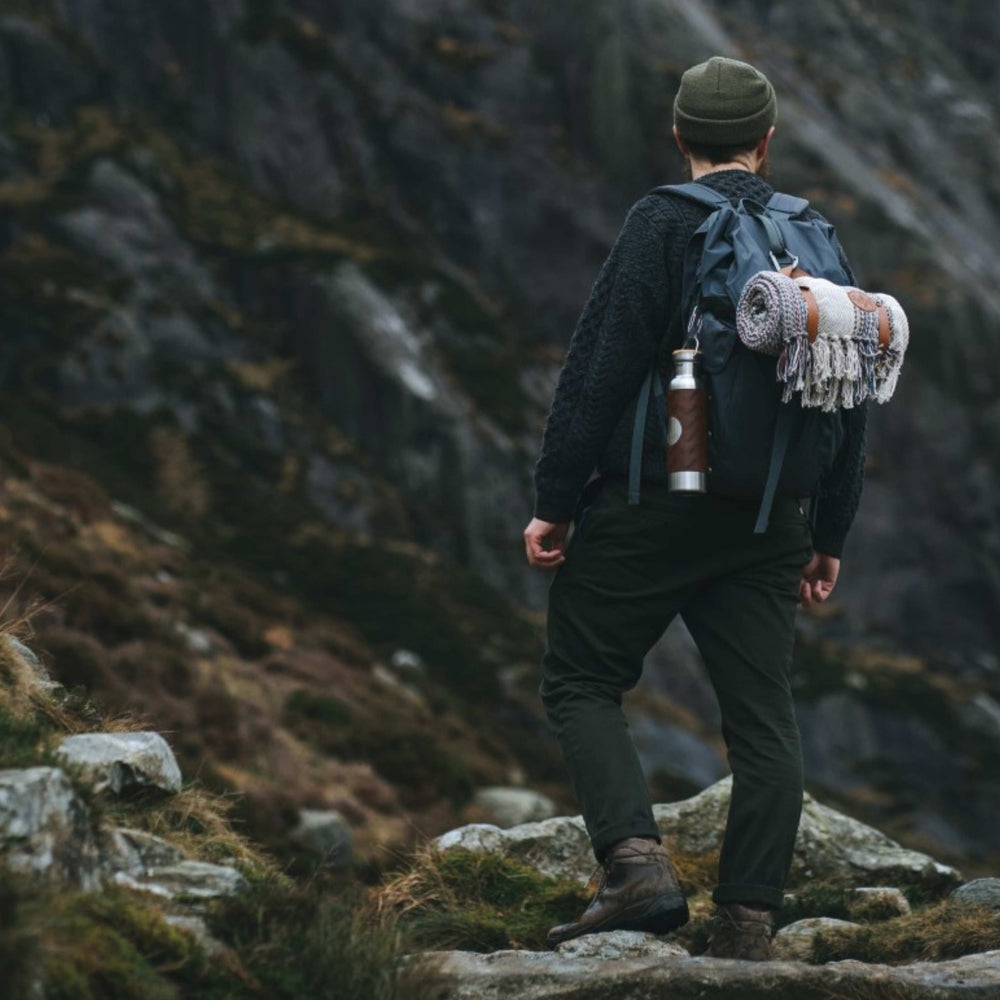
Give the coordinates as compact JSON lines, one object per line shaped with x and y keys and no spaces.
{"x":633,"y":303}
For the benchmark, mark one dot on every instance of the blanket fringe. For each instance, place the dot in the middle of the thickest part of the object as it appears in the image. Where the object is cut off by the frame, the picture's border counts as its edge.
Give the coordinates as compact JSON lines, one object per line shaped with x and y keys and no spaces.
{"x":844,"y":365}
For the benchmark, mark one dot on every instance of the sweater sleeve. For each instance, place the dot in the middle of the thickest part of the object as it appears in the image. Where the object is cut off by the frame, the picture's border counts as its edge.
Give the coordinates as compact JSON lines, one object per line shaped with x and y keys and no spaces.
{"x":612,"y":347}
{"x":840,"y":491}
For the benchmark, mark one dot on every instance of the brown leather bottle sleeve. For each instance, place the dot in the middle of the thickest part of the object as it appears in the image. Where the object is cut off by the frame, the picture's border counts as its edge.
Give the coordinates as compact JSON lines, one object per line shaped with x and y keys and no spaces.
{"x":689,"y":407}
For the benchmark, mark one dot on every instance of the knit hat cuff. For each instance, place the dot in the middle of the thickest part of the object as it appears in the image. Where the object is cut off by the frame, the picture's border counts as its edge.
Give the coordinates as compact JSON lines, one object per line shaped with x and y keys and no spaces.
{"x":730,"y":132}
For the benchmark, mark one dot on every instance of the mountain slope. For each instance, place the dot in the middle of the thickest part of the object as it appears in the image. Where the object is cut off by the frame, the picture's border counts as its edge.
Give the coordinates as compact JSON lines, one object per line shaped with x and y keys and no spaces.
{"x":294,"y":280}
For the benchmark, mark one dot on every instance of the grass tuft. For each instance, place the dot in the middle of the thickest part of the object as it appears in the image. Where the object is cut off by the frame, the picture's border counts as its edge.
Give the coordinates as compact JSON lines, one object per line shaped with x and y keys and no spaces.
{"x":935,"y":933}
{"x":478,"y":902}
{"x":104,"y":946}
{"x":301,"y":942}
{"x":198,"y":822}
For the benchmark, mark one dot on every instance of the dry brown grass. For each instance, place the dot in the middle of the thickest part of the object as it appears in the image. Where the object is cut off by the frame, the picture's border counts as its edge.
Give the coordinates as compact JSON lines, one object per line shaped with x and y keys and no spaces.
{"x":695,"y":872}
{"x":477,"y":901}
{"x":180,"y":480}
{"x":430,"y":878}
{"x":198,"y":822}
{"x":412,"y":889}
{"x":19,"y":692}
{"x":932,"y":933}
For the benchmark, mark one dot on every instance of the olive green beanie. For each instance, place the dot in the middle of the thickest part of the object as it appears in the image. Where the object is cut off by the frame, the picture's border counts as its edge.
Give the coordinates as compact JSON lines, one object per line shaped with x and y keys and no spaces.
{"x":724,"y":102}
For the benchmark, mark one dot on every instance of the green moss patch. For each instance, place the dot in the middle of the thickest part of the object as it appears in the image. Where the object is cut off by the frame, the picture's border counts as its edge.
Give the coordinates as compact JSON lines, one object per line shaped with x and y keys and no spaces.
{"x":816,"y":900}
{"x":277,"y":941}
{"x":24,"y":742}
{"x":103,"y":946}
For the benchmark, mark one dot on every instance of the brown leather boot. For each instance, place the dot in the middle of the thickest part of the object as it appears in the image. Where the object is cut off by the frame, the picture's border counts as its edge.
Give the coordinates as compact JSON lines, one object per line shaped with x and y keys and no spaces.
{"x":740,"y":931}
{"x":638,"y":891}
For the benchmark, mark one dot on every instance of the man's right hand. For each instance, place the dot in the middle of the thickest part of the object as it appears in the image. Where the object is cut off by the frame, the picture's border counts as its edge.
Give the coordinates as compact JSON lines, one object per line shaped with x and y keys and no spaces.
{"x":819,"y":577}
{"x":540,"y":533}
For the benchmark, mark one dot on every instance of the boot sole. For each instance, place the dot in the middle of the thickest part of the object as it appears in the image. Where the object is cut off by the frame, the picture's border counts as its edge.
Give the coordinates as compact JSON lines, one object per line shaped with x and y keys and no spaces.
{"x":656,"y":916}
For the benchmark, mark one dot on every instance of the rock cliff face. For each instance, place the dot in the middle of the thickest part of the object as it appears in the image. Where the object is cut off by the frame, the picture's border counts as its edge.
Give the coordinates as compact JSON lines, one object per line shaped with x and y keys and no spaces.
{"x":285,"y":272}
{"x":468,"y":166}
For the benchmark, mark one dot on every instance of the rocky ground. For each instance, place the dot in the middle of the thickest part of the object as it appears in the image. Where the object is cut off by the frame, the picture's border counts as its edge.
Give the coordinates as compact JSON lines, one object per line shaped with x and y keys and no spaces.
{"x":116,"y":873}
{"x":862,"y":917}
{"x":293,"y":281}
{"x":655,"y":970}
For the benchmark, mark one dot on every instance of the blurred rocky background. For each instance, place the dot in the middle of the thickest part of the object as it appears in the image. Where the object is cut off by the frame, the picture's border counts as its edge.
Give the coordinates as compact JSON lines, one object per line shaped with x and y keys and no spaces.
{"x":284,"y":290}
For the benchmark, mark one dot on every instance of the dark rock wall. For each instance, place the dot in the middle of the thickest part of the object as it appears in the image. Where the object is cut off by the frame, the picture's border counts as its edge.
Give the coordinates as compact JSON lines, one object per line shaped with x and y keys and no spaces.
{"x":338,"y":249}
{"x":502,"y":142}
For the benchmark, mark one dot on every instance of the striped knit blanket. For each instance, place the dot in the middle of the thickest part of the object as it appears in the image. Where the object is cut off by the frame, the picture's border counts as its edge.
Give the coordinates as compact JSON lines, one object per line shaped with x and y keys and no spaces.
{"x":841,"y":363}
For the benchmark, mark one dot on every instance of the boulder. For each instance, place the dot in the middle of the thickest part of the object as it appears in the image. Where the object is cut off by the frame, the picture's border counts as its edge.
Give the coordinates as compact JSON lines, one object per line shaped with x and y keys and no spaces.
{"x":407,"y":661}
{"x":507,"y":807}
{"x":615,"y":945}
{"x":325,"y":833}
{"x":794,"y":941}
{"x":186,"y":879}
{"x":45,"y":828}
{"x":121,"y":762}
{"x":558,"y":847}
{"x":135,"y":851}
{"x":829,"y":844}
{"x":533,"y":975}
{"x":979,"y":891}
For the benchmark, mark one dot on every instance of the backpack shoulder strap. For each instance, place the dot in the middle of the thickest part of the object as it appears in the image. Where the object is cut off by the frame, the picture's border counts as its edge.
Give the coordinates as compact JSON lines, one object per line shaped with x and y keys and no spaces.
{"x":786,"y":204}
{"x":694,"y":191}
{"x":654,"y":382}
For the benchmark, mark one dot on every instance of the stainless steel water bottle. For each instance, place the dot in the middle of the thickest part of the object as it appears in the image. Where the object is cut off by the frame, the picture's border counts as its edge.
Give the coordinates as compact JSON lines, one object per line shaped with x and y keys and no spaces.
{"x":687,"y":425}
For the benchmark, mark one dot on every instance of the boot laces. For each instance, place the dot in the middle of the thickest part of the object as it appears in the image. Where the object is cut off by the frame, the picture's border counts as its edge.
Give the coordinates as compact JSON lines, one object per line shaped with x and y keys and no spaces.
{"x":619,"y":853}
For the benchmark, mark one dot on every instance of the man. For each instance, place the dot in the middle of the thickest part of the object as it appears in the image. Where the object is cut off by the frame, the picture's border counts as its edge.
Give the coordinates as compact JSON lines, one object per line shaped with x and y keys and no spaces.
{"x":627,"y":570}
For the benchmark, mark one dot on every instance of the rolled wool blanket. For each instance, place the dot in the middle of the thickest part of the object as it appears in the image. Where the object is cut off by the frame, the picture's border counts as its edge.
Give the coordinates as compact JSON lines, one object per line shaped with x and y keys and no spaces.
{"x":844,"y":365}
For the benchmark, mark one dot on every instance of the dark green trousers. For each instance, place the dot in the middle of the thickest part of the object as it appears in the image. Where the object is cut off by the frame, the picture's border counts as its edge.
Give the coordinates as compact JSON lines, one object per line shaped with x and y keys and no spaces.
{"x":628,"y":571}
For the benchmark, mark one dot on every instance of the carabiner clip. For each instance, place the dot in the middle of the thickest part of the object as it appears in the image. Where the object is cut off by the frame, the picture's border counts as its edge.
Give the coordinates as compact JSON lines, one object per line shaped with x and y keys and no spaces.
{"x":774,"y":260}
{"x":694,"y":323}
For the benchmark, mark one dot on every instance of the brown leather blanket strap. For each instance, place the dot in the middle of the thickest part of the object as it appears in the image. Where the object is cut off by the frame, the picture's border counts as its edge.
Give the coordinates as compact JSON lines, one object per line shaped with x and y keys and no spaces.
{"x":884,"y":331}
{"x":859,"y":298}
